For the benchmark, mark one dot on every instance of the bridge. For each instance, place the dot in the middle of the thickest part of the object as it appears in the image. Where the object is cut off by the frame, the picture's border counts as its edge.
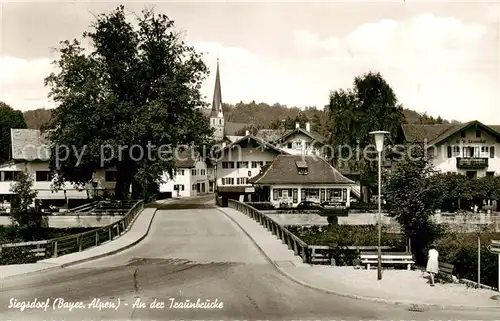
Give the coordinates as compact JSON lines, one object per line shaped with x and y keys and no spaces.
{"x":193,"y":251}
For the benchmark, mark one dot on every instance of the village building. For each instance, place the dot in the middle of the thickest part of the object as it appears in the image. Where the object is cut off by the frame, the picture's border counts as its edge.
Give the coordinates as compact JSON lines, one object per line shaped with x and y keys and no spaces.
{"x":470,"y":149}
{"x":238,"y":162}
{"x":302,"y":141}
{"x":30,"y":152}
{"x":291,"y":179}
{"x":190,"y":177}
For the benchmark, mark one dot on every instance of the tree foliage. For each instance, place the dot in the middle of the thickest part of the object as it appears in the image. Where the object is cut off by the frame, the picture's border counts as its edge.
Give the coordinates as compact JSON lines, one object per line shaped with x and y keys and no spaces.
{"x":412,"y":196}
{"x":9,"y":118}
{"x":37,"y":118}
{"x":23,"y":213}
{"x":137,"y":86}
{"x":370,"y":105}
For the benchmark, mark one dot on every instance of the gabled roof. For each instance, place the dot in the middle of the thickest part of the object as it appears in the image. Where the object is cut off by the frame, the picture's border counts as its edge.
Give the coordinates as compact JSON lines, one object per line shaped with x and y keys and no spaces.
{"x":29,"y":144}
{"x":284,"y":170}
{"x":262,"y":144}
{"x":314,"y":135}
{"x":187,"y":159}
{"x":269,"y":135}
{"x":435,"y":134}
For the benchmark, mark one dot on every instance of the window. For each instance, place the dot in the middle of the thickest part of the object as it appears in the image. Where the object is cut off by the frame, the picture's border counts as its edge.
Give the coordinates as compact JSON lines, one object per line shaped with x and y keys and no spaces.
{"x":10,"y":176}
{"x":302,"y":194}
{"x":308,"y":145}
{"x":179,"y":172}
{"x":275,"y":194}
{"x":289,"y":145}
{"x":484,"y":149}
{"x":193,"y":172}
{"x":478,"y":133}
{"x":462,"y":134}
{"x":242,"y":164}
{"x":298,"y":145}
{"x":456,"y":151}
{"x":203,"y":172}
{"x":322,"y":195}
{"x":109,"y":176}
{"x":448,"y":149}
{"x":220,"y":121}
{"x":257,"y":164}
{"x":230,"y":181}
{"x":492,"y":151}
{"x":491,"y":174}
{"x":295,"y":195}
{"x":241,"y":180}
{"x":178,"y":187}
{"x":302,"y":171}
{"x":227,"y":164}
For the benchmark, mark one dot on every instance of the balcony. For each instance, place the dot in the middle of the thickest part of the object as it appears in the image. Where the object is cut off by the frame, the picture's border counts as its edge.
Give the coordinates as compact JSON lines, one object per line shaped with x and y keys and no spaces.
{"x":472,"y":162}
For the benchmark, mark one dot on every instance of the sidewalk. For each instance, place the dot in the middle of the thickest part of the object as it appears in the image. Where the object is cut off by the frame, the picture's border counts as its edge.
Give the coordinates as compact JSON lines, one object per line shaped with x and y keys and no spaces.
{"x":396,"y":287}
{"x":135,"y":233}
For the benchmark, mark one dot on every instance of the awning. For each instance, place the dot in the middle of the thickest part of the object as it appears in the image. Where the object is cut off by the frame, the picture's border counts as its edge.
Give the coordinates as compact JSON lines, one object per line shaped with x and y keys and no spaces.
{"x":236,"y":189}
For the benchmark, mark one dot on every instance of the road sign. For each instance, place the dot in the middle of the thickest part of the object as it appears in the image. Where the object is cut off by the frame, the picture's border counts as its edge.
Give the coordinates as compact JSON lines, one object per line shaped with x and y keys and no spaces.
{"x":494,"y":247}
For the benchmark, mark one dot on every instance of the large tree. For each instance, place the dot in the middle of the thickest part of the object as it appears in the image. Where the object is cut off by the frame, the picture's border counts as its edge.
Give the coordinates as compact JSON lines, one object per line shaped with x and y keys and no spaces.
{"x":137,"y":86}
{"x":9,"y":118}
{"x":412,"y":195}
{"x":370,"y":105}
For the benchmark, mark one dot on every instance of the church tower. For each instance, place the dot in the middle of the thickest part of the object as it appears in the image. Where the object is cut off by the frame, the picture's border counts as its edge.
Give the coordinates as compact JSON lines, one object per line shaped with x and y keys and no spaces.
{"x":217,"y":116}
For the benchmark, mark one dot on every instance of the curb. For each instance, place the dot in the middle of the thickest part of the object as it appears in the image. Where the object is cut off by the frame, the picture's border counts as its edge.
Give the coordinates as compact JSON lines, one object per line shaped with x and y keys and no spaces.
{"x":359,"y":297}
{"x":93,"y":257}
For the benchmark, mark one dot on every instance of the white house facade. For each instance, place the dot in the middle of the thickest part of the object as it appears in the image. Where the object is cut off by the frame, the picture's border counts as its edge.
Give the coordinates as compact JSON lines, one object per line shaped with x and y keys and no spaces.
{"x":30,"y":153}
{"x":240,"y":161}
{"x":301,"y":141}
{"x":470,"y":149}
{"x":190,"y":177}
{"x":291,"y":179}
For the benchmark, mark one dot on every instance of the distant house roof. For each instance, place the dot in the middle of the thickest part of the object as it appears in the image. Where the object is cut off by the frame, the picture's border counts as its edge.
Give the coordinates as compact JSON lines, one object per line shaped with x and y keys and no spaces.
{"x":259,"y":142}
{"x":29,"y":144}
{"x":314,"y":135}
{"x":269,"y":135}
{"x":187,"y":159}
{"x":435,"y":134}
{"x":285,"y":170}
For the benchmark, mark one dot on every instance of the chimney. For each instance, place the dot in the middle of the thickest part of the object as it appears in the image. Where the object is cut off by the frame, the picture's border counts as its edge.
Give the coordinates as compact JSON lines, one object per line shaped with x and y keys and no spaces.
{"x":297,"y":125}
{"x":308,"y":126}
{"x":247,"y":132}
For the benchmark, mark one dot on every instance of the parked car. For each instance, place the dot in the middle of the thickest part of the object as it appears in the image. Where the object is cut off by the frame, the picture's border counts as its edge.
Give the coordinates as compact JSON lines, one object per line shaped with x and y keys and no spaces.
{"x":308,"y":205}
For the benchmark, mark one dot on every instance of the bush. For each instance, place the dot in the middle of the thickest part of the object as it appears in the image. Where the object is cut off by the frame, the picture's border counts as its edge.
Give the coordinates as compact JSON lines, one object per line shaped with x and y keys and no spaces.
{"x":334,"y":212}
{"x":460,"y":249}
{"x":363,"y":207}
{"x":261,"y":206}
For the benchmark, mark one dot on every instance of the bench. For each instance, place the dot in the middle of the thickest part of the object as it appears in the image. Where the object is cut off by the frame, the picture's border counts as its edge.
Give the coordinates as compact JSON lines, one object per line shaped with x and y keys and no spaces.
{"x":445,"y":272}
{"x":369,"y":258}
{"x":323,"y":254}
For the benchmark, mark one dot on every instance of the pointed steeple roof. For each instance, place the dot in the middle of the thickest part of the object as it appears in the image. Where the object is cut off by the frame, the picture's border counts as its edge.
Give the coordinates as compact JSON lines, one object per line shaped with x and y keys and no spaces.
{"x":217,"y":102}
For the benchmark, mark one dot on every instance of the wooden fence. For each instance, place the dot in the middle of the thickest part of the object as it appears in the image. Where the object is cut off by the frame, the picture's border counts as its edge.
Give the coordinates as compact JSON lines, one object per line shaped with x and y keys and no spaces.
{"x":82,"y":241}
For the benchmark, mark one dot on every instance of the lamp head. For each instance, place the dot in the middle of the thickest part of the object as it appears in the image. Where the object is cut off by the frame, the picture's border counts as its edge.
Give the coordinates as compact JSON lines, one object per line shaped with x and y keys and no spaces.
{"x":379,"y":139}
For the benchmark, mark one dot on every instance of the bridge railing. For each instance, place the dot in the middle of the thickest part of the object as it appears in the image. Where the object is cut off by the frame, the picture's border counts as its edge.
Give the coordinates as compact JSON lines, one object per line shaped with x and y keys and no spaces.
{"x":299,"y":247}
{"x":78,"y":242}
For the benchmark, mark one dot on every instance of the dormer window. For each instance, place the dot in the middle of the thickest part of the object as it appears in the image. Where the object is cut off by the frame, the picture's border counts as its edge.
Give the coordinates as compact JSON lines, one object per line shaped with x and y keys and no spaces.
{"x":302,"y":167}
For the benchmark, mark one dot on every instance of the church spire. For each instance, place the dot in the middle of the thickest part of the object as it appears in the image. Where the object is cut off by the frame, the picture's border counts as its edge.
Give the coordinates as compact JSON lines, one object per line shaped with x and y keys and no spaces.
{"x":217,"y":102}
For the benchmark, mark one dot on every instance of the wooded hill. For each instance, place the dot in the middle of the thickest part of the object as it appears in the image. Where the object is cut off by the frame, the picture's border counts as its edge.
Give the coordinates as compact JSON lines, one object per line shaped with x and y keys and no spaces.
{"x":261,"y":115}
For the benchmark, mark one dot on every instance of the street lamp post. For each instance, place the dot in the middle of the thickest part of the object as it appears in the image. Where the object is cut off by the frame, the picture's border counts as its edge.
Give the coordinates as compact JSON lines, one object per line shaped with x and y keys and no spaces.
{"x":379,"y":142}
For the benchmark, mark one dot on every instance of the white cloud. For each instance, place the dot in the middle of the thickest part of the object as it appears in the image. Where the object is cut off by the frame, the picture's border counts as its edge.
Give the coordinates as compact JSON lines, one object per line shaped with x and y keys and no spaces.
{"x":434,"y":64}
{"x":22,"y":80}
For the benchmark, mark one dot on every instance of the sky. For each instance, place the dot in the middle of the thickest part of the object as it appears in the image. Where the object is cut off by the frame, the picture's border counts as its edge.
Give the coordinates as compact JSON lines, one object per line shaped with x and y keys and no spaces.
{"x":440,"y":57}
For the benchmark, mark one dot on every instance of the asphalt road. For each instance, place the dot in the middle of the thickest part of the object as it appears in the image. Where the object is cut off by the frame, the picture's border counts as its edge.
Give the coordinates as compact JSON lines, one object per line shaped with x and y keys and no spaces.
{"x":192,"y":252}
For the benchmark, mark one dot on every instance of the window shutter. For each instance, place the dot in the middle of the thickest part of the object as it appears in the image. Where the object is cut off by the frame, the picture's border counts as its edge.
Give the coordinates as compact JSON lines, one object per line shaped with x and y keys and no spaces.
{"x":492,"y":152}
{"x":295,"y":195}
{"x":275,"y":194}
{"x":322,"y":195}
{"x":449,"y":151}
{"x":302,"y":195}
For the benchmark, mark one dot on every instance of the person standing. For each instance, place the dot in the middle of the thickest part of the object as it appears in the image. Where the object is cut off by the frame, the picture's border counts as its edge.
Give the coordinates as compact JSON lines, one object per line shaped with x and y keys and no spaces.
{"x":432,"y":263}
